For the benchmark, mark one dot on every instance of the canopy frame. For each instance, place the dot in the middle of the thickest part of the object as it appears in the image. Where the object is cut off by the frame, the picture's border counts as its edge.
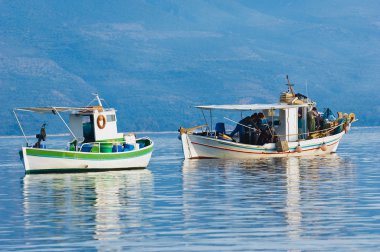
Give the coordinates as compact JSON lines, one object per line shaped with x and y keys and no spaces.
{"x":251,"y":107}
{"x":54,"y":110}
{"x":22,"y":130}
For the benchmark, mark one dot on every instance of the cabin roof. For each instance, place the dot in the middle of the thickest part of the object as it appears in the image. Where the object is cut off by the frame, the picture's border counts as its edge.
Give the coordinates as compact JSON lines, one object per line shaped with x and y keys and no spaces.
{"x":247,"y":107}
{"x":57,"y":109}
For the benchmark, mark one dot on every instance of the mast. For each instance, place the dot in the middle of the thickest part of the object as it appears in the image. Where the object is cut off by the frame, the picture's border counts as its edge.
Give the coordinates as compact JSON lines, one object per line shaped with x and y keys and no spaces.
{"x":99,"y":101}
{"x":290,"y":86}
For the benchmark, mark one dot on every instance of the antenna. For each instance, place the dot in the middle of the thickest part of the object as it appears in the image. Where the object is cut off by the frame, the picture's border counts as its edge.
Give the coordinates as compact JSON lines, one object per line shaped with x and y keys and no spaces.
{"x":97,"y":98}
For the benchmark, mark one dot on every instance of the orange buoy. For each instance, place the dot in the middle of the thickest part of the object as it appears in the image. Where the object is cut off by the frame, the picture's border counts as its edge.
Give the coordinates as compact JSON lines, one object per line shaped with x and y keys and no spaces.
{"x":324,"y":147}
{"x":299,"y":149}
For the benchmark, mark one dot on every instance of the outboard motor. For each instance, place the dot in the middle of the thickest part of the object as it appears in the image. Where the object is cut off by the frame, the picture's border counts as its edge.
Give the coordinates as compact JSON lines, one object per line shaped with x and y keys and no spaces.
{"x":40,"y":137}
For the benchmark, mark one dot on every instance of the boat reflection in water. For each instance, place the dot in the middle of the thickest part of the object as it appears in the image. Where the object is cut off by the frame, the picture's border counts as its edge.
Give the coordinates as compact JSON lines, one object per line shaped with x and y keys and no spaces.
{"x":293,"y":197}
{"x":274,"y":197}
{"x":89,"y":206}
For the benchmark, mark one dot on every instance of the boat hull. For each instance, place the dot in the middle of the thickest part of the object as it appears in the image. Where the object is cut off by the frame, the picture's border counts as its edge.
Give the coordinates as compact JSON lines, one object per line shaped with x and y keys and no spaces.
{"x":47,"y":160}
{"x":197,"y":146}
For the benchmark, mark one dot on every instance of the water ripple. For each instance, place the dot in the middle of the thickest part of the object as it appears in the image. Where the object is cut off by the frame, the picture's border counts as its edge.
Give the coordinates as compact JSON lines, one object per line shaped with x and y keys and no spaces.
{"x":321,"y":203}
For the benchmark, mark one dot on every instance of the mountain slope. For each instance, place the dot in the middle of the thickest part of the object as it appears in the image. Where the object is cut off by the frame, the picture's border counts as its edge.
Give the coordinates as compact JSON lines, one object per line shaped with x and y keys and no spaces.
{"x":154,"y":60}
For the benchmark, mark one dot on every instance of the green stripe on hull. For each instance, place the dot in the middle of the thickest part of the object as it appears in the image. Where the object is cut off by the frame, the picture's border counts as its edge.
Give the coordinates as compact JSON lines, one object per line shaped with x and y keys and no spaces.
{"x":80,"y":170}
{"x":87,"y":155}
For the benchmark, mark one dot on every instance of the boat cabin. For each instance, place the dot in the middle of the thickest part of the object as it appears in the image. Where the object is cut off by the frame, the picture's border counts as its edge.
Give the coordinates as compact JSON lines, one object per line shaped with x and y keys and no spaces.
{"x":283,"y":119}
{"x":87,"y":125}
{"x":94,"y":124}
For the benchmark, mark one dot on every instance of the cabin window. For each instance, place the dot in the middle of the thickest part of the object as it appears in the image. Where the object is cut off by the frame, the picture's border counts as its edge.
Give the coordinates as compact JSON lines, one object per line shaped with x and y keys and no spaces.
{"x":111,"y":118}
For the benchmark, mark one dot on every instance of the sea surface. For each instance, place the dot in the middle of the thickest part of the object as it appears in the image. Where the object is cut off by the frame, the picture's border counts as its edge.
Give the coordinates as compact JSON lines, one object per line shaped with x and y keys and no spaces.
{"x":329,"y":203}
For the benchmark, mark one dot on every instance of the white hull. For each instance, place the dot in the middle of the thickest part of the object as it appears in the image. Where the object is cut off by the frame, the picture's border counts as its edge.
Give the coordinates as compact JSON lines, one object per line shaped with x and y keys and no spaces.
{"x":196,"y":146}
{"x":68,"y":161}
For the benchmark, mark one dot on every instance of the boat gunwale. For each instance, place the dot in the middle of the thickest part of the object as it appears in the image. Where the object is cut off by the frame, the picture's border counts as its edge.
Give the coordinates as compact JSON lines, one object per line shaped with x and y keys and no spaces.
{"x":100,"y":156}
{"x":265,"y":149}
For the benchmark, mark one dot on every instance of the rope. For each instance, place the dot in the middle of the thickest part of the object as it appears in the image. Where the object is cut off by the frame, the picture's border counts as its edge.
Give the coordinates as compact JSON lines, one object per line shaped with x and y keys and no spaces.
{"x":240,"y":123}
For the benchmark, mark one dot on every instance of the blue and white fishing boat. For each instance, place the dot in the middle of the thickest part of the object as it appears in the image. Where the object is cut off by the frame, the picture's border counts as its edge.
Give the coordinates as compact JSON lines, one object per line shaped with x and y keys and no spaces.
{"x":96,"y":144}
{"x":287,"y":129}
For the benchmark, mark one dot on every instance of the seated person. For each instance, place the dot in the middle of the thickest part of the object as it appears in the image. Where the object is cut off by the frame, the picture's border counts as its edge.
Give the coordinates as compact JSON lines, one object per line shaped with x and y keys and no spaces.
{"x":240,"y":126}
{"x":254,"y":120}
{"x":311,"y":121}
{"x":262,"y":122}
{"x":328,"y":115}
{"x":266,"y":132}
{"x":266,"y":136}
{"x":339,"y":123}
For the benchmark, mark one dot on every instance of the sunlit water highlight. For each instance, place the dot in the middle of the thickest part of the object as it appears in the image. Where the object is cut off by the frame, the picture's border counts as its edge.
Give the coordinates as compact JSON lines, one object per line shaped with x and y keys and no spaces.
{"x":322,"y":203}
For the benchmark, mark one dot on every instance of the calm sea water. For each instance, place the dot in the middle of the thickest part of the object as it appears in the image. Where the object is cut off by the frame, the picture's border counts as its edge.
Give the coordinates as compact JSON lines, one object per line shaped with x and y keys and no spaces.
{"x":291,"y":204}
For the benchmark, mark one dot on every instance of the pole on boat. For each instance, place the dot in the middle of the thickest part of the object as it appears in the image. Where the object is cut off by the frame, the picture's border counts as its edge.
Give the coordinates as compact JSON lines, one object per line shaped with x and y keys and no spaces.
{"x":97,"y":98}
{"x":211,"y":120}
{"x":99,"y":101}
{"x":290,"y":85}
{"x":204,"y":117}
{"x":67,"y":126}
{"x":22,"y":130}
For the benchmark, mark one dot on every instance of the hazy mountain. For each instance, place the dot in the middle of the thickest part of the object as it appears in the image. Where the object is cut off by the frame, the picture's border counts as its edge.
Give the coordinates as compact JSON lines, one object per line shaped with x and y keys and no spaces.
{"x":154,"y":60}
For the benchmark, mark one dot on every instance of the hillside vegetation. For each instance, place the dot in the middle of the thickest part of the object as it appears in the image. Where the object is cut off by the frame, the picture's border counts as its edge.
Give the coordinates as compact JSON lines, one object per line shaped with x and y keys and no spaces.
{"x":155,"y":60}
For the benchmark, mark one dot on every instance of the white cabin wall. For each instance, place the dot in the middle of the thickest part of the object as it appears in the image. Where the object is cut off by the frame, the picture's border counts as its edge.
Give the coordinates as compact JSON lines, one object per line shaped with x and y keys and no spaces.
{"x":110,"y":130}
{"x":288,"y":129}
{"x":292,"y":124}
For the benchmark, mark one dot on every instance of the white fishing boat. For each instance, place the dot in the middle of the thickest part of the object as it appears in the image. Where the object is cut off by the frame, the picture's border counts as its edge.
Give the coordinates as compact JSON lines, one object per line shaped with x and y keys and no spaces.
{"x":287,"y":128}
{"x":96,"y":144}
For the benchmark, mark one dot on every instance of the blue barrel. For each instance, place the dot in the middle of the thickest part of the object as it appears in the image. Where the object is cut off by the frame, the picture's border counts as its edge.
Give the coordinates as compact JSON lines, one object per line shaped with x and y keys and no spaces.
{"x":128,"y":147}
{"x":117,"y":148}
{"x":86,"y":148}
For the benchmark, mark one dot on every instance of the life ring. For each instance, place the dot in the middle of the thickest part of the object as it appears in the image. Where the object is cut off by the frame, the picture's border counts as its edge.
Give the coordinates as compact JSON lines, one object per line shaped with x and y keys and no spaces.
{"x":101,"y":121}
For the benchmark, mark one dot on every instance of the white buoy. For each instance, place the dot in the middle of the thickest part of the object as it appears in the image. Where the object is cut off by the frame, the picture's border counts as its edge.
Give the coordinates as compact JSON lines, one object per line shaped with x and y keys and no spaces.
{"x":323,"y":147}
